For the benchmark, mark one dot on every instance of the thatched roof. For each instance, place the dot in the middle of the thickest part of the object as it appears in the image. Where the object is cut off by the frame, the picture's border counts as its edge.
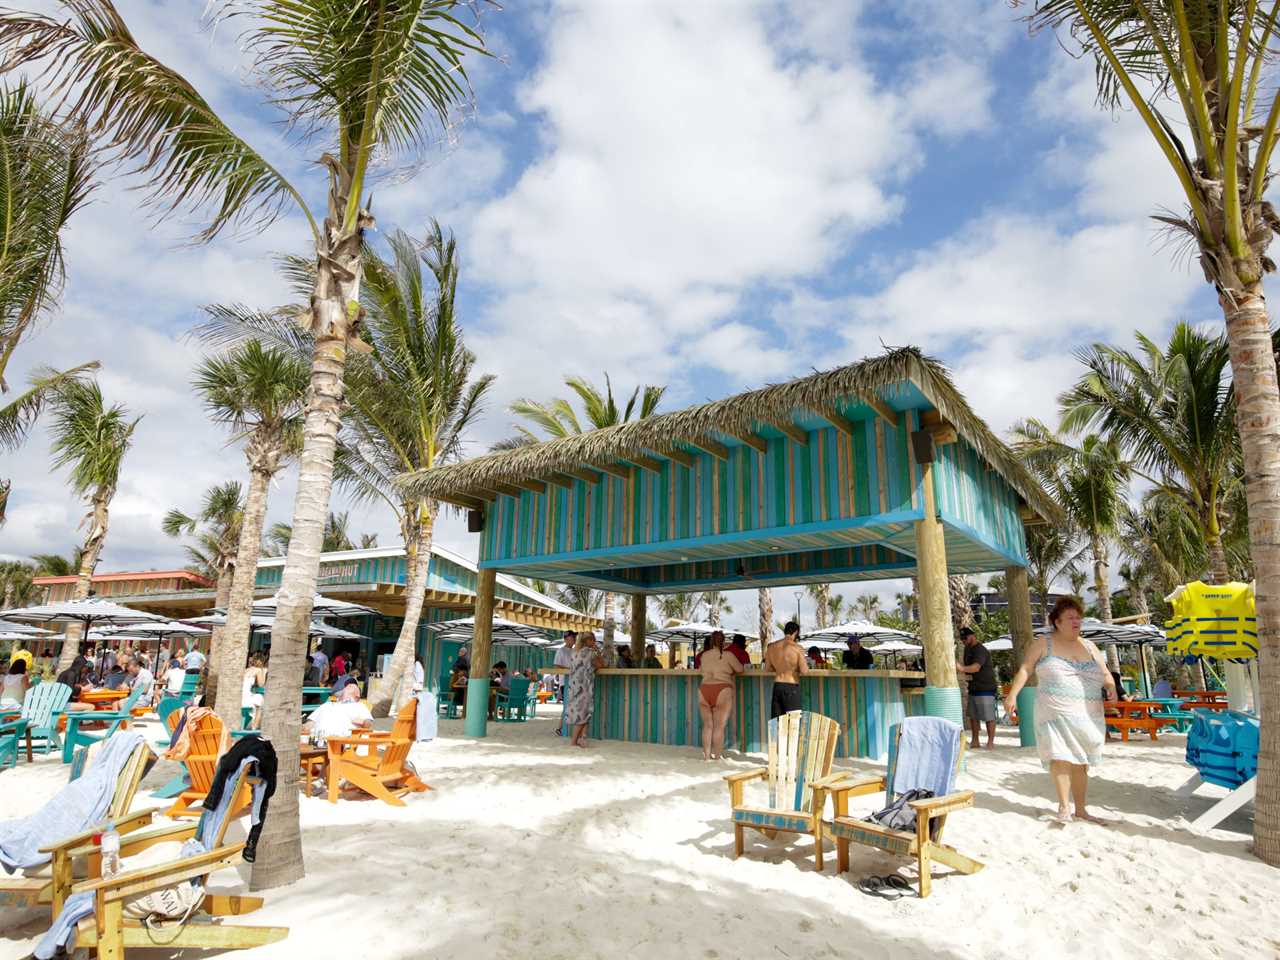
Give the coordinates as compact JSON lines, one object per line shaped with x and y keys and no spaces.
{"x":866,"y":381}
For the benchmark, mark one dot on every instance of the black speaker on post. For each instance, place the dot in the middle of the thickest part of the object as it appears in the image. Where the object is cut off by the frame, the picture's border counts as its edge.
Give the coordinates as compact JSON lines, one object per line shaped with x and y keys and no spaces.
{"x":475,"y":521}
{"x":922,"y":446}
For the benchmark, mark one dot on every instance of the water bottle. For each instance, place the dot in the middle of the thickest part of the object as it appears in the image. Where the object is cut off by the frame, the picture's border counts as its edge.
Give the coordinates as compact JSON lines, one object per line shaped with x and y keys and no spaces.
{"x":110,"y":845}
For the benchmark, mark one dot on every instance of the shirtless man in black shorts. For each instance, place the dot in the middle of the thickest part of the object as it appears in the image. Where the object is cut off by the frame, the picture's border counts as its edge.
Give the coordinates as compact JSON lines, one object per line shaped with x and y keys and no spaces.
{"x":787,"y":661}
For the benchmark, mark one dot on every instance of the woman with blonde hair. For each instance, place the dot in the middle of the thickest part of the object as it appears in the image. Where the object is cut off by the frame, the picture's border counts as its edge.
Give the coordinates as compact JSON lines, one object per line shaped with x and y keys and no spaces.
{"x":255,"y":675}
{"x":1070,"y":727}
{"x":582,"y":680}
{"x":715,"y":693}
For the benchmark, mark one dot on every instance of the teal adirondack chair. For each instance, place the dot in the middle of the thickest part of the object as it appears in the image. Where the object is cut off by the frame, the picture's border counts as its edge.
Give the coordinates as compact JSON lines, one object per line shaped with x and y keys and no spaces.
{"x":75,"y":737}
{"x":12,"y":734}
{"x":41,"y":708}
{"x":513,"y":704}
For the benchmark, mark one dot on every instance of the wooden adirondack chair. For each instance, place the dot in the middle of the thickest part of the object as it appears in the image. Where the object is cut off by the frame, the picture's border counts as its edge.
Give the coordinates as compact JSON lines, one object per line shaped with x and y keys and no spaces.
{"x":513,"y":704}
{"x":12,"y":736}
{"x":925,"y":841}
{"x":112,"y":933}
{"x":374,"y":761}
{"x":114,"y":719}
{"x":41,"y":708}
{"x":201,"y":764}
{"x":50,"y":884}
{"x":802,"y":747}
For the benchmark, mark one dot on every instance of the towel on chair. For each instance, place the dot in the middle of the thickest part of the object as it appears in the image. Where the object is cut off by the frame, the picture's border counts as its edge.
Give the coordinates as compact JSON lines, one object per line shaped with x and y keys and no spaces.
{"x":927,"y":754}
{"x":79,"y":805}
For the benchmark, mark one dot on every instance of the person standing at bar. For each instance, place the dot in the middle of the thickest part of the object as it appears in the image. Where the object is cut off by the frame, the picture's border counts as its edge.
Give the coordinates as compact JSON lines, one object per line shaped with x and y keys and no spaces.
{"x":786,"y":659}
{"x":564,"y":659}
{"x":586,"y":661}
{"x":716,"y":693}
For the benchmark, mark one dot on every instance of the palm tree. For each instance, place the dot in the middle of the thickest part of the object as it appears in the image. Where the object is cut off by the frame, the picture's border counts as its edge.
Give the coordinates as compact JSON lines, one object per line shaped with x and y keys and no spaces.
{"x":336,"y":536}
{"x":1204,"y":61}
{"x":16,"y":588}
{"x":259,"y":393}
{"x":1172,"y":411}
{"x":764,"y":606}
{"x":91,"y":439}
{"x":835,"y":608}
{"x":961,"y":592}
{"x":56,"y":565}
{"x":215,"y":531}
{"x":557,"y":418}
{"x":1053,"y":552}
{"x":680,"y":606}
{"x":413,"y":399}
{"x":1089,"y":480}
{"x":867,"y":605}
{"x":717,"y":605}
{"x":821,"y":594}
{"x":359,"y":82}
{"x":1078,"y":579}
{"x":45,"y":176}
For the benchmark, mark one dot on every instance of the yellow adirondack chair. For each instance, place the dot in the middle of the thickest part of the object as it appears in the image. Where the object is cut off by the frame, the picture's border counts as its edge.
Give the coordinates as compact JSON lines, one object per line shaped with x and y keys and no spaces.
{"x":201,"y":764}
{"x":111,"y":932}
{"x":50,"y":883}
{"x":374,"y":761}
{"x":802,"y":747}
{"x":925,"y":841}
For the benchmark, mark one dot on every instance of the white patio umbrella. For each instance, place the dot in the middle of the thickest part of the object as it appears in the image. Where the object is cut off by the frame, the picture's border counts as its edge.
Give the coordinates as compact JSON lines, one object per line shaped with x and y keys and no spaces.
{"x":862,"y":630}
{"x":1002,"y":643}
{"x":89,"y":612}
{"x":684,"y":632}
{"x":504,"y":631}
{"x":895,"y":648}
{"x":11,"y":626}
{"x":320,"y":607}
{"x":7,"y":634}
{"x":151,"y":631}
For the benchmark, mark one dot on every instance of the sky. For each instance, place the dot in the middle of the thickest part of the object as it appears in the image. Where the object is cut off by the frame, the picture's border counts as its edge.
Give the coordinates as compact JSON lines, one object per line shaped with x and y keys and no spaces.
{"x":710,"y":195}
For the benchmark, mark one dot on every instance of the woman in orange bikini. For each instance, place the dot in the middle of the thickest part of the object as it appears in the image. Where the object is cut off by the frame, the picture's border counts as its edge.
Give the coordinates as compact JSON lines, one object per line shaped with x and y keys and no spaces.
{"x":715,"y":695}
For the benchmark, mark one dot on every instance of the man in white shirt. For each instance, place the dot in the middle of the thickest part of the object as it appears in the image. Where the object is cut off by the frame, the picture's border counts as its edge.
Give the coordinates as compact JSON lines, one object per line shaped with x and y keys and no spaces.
{"x":195,"y":661}
{"x":140,"y":676}
{"x":338,"y":718}
{"x":564,"y":658}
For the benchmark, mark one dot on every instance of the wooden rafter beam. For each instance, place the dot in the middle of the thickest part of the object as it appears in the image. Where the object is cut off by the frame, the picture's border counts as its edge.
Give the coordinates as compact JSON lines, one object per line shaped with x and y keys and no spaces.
{"x":613,"y":469}
{"x":561,"y":481}
{"x":752,"y":440}
{"x":682,"y":457}
{"x":466,"y":503}
{"x":837,"y":420}
{"x":586,"y":476}
{"x":507,"y":489}
{"x":882,"y":409}
{"x":489,"y":496}
{"x":533,"y":486}
{"x":1029,"y":517}
{"x":648,"y":463}
{"x":713,"y":447}
{"x":941,"y":431}
{"x":790,"y":430}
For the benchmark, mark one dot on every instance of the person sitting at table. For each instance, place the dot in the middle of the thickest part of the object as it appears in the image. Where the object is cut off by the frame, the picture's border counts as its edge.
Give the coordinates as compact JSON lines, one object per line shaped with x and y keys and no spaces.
{"x":458,"y":684}
{"x":77,"y":678}
{"x":140,"y":678}
{"x":500,"y":675}
{"x":816,"y":658}
{"x":115,"y":678}
{"x":651,"y":661}
{"x":338,"y":718}
{"x":1121,"y":692}
{"x":624,"y":659}
{"x":15,"y":682}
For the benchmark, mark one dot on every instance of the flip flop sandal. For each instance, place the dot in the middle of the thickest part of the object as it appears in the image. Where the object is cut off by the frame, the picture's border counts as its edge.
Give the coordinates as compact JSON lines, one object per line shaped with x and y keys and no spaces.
{"x":881,"y":887}
{"x":896,"y":881}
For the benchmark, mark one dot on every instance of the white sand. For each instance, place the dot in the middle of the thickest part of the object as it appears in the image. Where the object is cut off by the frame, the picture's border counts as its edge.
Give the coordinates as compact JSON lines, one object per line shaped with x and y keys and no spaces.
{"x":530,"y":848}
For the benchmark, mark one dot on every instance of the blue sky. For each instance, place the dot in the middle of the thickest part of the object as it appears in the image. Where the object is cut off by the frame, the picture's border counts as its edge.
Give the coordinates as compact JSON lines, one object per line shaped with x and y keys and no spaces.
{"x":710,"y":195}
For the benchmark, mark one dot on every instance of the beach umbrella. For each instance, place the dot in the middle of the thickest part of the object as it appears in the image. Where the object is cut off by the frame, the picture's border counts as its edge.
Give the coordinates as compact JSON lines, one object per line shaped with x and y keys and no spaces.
{"x":325,"y":631}
{"x":7,"y":634}
{"x":504,"y":631}
{"x":152,"y":631}
{"x":862,"y":630}
{"x":1002,"y":643}
{"x":683,"y":632}
{"x":320,"y":607}
{"x":88,"y":613}
{"x":894,"y":648}
{"x":13,"y":627}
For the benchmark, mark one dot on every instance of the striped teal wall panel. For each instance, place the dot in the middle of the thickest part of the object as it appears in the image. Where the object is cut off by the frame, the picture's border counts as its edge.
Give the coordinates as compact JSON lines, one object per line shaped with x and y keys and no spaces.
{"x":831,"y":478}
{"x":972,"y":494}
{"x":663,"y":708}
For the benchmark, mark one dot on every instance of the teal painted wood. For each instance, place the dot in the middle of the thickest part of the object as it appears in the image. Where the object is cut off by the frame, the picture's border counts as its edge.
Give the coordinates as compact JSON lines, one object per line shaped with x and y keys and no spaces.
{"x":663,"y":708}
{"x":972,"y":495}
{"x":790,"y":484}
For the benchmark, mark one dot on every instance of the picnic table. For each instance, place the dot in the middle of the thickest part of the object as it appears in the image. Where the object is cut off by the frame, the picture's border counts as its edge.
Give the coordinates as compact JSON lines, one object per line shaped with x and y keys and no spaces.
{"x":103,"y":699}
{"x":1175,"y":707}
{"x":1218,"y":705}
{"x":1201,"y":694}
{"x":1126,"y":715}
{"x":324,"y":693}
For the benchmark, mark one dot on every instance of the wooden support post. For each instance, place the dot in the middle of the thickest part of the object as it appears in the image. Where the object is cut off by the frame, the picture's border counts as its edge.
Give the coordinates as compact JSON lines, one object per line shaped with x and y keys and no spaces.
{"x":481,"y":646}
{"x":638,"y":626}
{"x":1020,"y":629}
{"x":935,"y":598}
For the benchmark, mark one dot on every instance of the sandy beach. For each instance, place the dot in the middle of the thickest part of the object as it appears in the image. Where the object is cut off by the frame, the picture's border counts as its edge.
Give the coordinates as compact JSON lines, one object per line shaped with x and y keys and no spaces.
{"x":528,"y":847}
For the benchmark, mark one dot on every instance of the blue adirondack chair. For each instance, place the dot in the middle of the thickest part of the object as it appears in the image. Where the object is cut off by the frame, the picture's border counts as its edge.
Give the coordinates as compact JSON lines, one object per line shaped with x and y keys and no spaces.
{"x":12,"y":735}
{"x":76,"y":737}
{"x":41,"y":708}
{"x":513,"y":704}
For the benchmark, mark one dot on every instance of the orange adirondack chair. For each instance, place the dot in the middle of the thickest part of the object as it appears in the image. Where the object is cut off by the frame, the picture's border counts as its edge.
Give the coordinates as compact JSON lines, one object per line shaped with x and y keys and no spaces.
{"x":202,"y":765}
{"x":375,"y":762}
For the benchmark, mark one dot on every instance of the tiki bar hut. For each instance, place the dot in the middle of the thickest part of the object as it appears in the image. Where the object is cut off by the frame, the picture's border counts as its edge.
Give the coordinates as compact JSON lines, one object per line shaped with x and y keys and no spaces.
{"x":874,"y":470}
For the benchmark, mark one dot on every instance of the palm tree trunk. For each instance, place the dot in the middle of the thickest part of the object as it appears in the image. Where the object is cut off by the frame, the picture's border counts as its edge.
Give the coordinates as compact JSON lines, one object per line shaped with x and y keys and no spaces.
{"x":764,"y":600}
{"x":233,"y":647}
{"x":396,"y":684}
{"x":99,"y":520}
{"x":334,"y":308}
{"x":1103,"y":589}
{"x":1219,"y":572}
{"x":221,"y":597}
{"x":1253,"y":372}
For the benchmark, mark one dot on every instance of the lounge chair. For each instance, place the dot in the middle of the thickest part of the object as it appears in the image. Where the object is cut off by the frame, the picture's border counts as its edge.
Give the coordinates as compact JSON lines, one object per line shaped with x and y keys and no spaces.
{"x":802,"y":746}
{"x":925,"y":841}
{"x":201,"y":764}
{"x":375,"y":762}
{"x":41,"y":708}
{"x":115,"y":719}
{"x":111,"y":933}
{"x":51,"y":882}
{"x":13,"y":734}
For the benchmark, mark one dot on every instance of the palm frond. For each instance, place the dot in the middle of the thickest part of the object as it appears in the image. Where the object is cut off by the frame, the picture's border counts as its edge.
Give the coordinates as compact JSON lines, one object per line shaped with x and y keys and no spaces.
{"x":147,"y":114}
{"x":20,"y":413}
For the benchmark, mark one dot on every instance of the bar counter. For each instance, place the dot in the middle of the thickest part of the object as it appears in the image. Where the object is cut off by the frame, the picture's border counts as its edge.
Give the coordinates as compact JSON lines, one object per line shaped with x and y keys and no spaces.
{"x":661,"y":706}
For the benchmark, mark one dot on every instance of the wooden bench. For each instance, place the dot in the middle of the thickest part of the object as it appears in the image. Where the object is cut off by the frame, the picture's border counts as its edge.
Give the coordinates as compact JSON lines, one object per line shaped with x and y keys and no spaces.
{"x":1127,"y":715}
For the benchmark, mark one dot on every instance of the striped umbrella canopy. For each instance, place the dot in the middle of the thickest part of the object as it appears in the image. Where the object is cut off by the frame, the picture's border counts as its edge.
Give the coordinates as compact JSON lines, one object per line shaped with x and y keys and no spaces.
{"x":322,"y":607}
{"x":863,"y":630}
{"x":683,"y":632}
{"x":93,"y":610}
{"x":504,"y":631}
{"x":13,"y":627}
